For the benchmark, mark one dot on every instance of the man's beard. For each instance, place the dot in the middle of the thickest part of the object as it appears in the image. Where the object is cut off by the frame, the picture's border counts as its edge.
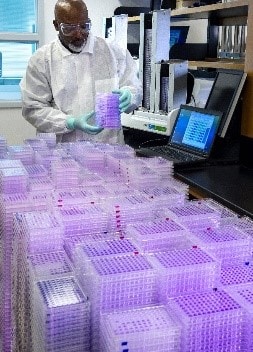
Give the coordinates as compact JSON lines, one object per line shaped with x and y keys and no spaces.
{"x":75,"y":46}
{"x":77,"y":49}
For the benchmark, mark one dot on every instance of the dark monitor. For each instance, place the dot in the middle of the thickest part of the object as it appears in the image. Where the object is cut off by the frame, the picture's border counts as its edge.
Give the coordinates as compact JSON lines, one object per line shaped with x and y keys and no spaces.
{"x":224,"y":96}
{"x":178,"y":34}
{"x":133,"y":38}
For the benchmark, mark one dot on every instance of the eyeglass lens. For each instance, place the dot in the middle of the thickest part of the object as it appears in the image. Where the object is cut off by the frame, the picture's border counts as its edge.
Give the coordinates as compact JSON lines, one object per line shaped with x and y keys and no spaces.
{"x":69,"y":29}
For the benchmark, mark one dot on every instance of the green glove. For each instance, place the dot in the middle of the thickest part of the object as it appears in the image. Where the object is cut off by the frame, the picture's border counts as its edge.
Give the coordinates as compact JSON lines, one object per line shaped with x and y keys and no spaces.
{"x":124,"y":99}
{"x":81,"y":123}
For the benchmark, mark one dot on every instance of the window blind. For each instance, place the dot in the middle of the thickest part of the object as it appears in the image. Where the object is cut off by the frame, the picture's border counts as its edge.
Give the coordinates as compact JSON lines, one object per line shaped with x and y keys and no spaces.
{"x":18,"y":16}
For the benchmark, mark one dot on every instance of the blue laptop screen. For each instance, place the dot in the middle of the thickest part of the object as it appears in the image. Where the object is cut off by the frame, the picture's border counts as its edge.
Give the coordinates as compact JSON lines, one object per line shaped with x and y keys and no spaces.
{"x":178,"y":34}
{"x":195,"y":129}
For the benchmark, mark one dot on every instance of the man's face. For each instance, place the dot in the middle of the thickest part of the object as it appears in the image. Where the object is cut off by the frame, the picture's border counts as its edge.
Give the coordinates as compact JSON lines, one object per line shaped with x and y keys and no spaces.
{"x":73,"y":29}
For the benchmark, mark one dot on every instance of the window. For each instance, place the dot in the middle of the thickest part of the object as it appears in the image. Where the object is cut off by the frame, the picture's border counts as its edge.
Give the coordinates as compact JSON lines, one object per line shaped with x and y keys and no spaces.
{"x":19,"y":38}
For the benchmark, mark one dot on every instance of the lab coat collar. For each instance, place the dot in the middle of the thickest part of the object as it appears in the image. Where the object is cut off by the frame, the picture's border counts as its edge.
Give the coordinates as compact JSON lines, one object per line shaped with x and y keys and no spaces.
{"x":87,"y":49}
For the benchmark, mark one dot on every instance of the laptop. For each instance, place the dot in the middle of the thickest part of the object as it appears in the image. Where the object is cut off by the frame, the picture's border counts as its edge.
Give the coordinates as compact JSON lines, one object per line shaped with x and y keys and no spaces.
{"x":191,"y":139}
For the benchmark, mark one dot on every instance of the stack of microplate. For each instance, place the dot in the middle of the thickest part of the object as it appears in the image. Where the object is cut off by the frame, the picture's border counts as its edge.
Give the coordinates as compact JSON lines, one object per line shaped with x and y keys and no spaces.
{"x":40,"y":231}
{"x":47,"y":157}
{"x":36,"y":144}
{"x":65,"y":173}
{"x":36,"y":233}
{"x":62,"y":319}
{"x":227,"y":216}
{"x":46,"y":267}
{"x":3,"y":146}
{"x":195,"y":214}
{"x":10,"y":204}
{"x":227,"y":244}
{"x":93,"y":247}
{"x":71,"y":243}
{"x":237,"y":275}
{"x":107,"y":110}
{"x":89,"y":157}
{"x":86,"y":219}
{"x":115,"y":282}
{"x":150,"y":329}
{"x":13,"y":180}
{"x":243,"y":295}
{"x":24,"y":153}
{"x":39,"y":180}
{"x":49,"y":138}
{"x":158,"y":235}
{"x":89,"y":179}
{"x":136,"y":172}
{"x":72,"y":197}
{"x":128,"y":209}
{"x":116,"y":197}
{"x":164,"y":195}
{"x":184,"y":271}
{"x":211,"y":320}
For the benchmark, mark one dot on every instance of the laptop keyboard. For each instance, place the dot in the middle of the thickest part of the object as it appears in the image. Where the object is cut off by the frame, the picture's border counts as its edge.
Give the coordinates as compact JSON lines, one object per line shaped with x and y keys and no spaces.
{"x":175,"y":154}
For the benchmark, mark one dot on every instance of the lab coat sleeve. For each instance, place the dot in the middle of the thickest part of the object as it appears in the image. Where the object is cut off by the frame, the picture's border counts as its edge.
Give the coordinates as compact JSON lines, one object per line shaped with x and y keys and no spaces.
{"x":37,"y":100}
{"x":128,"y":76}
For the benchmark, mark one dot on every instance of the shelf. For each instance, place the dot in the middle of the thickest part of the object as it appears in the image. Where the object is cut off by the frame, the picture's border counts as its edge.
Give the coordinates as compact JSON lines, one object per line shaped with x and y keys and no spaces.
{"x":222,"y":10}
{"x":237,"y":8}
{"x":134,"y":19}
{"x":216,"y":63}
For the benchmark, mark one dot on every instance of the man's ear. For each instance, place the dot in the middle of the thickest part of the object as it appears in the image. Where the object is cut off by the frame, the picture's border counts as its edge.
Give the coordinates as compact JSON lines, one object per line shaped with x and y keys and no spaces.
{"x":56,"y":25}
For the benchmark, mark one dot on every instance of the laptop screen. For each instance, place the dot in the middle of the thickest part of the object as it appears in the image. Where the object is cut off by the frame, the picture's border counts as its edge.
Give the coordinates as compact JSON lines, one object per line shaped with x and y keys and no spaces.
{"x":178,"y":34}
{"x":195,"y":129}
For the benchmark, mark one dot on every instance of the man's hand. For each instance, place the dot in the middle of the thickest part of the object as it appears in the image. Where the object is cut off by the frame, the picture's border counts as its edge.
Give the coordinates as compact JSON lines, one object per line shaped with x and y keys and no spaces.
{"x":81,"y":123}
{"x":124,"y":99}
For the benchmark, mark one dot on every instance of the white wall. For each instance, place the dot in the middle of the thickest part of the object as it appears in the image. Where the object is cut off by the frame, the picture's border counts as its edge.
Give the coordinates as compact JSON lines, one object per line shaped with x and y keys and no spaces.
{"x":14,"y":127}
{"x":97,"y":10}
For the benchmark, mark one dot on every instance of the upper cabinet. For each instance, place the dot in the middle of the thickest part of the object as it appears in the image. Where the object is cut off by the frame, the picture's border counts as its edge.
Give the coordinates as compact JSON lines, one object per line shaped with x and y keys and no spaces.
{"x":220,"y":14}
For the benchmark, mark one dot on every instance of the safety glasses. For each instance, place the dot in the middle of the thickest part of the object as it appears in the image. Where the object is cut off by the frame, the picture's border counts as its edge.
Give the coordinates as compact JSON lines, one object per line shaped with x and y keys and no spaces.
{"x":69,"y":29}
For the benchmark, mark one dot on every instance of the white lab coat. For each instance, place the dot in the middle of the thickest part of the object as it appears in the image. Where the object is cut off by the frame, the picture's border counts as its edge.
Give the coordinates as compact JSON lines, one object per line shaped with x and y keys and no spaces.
{"x":59,"y":84}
